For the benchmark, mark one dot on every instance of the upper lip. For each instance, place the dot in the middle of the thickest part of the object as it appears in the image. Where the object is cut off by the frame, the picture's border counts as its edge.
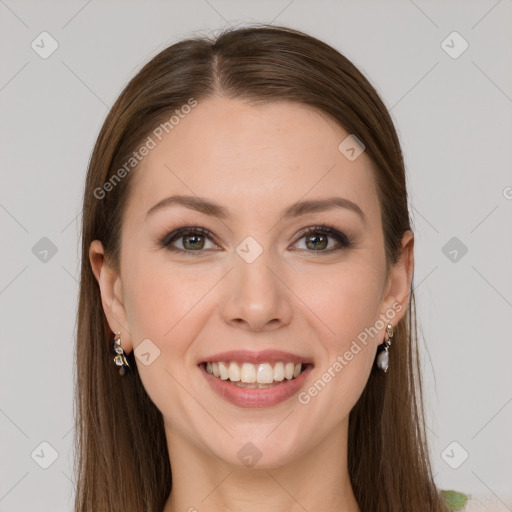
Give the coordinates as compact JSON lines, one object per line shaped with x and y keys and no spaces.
{"x":263,"y":356}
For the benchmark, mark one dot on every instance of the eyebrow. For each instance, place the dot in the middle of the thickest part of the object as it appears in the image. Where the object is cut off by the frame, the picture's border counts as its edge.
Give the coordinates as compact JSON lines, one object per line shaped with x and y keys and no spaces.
{"x":208,"y":207}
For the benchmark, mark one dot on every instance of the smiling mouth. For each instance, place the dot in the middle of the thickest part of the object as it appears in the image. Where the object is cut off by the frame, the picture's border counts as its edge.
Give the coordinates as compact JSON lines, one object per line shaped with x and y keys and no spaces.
{"x":248,"y":375}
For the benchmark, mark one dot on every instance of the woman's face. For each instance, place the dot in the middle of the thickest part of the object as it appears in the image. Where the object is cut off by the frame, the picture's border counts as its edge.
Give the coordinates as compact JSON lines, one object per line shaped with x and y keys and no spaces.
{"x":253,"y":282}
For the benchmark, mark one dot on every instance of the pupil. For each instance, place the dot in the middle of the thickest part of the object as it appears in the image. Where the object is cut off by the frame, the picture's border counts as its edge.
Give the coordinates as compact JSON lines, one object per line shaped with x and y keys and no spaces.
{"x":316,"y":238}
{"x":194,"y":239}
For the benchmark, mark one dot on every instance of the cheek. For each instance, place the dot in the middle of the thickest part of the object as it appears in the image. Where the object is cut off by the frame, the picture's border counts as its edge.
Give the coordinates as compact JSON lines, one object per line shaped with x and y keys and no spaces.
{"x":164,"y":304}
{"x":346,"y":306}
{"x":162,"y":300}
{"x":345,"y":301}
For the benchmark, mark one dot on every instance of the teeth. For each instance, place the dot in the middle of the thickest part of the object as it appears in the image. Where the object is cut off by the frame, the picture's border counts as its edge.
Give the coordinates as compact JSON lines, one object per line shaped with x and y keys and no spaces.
{"x":234,"y":372}
{"x":279,"y":372}
{"x":260,"y":375}
{"x":223,"y":371}
{"x":265,"y":374}
{"x":248,"y":373}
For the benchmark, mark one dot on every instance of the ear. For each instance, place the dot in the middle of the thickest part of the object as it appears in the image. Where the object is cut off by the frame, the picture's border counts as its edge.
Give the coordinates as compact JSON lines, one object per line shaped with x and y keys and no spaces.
{"x":111,"y":289}
{"x":398,"y":287}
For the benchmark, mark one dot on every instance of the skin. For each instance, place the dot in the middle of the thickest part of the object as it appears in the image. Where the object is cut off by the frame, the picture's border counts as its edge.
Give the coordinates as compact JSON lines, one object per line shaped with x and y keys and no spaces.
{"x":254,"y":160}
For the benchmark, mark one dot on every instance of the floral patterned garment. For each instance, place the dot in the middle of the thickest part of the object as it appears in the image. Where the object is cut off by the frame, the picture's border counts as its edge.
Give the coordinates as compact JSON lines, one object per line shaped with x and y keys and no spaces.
{"x":467,"y":503}
{"x":454,"y":500}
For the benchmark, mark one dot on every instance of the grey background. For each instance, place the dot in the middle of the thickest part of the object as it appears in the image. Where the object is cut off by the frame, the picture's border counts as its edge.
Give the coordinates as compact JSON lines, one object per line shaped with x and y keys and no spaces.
{"x":454,"y":119}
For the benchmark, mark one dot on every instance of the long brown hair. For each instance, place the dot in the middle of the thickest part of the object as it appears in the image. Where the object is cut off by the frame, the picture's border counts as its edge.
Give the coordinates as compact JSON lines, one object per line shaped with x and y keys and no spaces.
{"x":122,"y":461}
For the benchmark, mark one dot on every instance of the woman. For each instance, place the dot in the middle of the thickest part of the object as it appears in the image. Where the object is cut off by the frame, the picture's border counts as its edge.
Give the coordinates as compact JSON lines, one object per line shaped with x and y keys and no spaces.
{"x":247,"y":244}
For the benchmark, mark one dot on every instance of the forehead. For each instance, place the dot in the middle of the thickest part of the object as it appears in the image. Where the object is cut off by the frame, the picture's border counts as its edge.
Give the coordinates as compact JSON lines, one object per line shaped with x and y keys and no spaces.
{"x":246,"y":155}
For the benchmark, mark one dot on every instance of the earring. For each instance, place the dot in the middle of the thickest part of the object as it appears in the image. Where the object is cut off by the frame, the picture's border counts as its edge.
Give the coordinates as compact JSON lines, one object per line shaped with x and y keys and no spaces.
{"x":120,"y":358}
{"x":382,"y":359}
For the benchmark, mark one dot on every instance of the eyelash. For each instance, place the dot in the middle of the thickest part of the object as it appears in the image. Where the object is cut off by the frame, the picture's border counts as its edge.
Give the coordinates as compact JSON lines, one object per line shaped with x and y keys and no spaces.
{"x":343,"y":241}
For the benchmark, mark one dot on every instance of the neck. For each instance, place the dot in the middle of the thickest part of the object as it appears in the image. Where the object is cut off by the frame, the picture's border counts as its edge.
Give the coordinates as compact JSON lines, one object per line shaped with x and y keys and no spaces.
{"x":317,"y":481}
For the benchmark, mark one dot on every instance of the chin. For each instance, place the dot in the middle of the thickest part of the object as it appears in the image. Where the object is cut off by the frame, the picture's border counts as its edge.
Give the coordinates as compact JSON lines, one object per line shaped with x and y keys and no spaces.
{"x":259,"y":451}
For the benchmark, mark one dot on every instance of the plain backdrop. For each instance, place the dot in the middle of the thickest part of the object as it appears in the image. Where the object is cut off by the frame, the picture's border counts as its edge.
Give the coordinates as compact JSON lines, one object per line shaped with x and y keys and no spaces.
{"x":452,"y":106}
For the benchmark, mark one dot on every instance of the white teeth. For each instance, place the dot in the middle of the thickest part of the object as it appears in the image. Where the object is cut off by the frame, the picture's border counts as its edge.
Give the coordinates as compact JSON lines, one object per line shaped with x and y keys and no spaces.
{"x":223,"y":371}
{"x":251,"y":386}
{"x":248,"y":373}
{"x":265,"y":374}
{"x":279,"y":372}
{"x":234,"y":372}
{"x":261,"y":375}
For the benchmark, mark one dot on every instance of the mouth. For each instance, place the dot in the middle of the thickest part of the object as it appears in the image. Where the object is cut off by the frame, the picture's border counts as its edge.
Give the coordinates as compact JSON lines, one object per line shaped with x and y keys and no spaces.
{"x":255,"y":376}
{"x":255,"y":384}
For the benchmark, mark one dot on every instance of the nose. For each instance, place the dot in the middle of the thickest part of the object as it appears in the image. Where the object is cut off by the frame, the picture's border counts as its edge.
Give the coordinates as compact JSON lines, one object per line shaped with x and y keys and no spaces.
{"x":256,"y":295}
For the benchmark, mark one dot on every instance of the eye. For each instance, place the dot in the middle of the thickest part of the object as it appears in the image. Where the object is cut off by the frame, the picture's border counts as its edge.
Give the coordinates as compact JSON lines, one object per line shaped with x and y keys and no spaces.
{"x":194,"y":239}
{"x":318,"y":238}
{"x":191,"y":239}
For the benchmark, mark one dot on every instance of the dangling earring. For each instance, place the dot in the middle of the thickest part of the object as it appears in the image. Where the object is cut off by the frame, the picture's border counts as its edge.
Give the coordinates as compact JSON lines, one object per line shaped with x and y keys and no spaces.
{"x":120,"y":358}
{"x":382,"y":359}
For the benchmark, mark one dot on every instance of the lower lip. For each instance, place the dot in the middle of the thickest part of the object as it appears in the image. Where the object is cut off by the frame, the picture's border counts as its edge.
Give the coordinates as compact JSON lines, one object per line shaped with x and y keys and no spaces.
{"x":256,"y":397}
